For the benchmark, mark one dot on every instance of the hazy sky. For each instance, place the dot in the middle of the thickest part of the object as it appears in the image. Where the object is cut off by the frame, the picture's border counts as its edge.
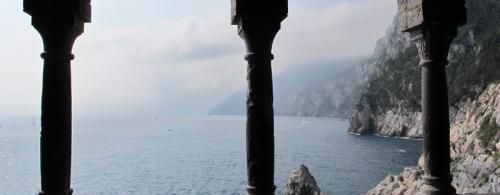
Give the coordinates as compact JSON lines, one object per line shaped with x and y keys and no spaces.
{"x":174,"y":56}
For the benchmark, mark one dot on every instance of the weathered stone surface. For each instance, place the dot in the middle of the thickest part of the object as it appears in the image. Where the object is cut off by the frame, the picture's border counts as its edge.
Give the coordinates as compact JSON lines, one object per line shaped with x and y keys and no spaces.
{"x":301,"y":182}
{"x":415,"y":13}
{"x":475,"y":165}
{"x":411,"y":12}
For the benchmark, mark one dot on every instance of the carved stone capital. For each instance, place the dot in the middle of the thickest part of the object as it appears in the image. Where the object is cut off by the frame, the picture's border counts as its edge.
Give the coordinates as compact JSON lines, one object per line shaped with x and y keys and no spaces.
{"x":258,"y":23}
{"x":258,"y":33}
{"x":58,"y":43}
{"x":59,"y":23}
{"x":433,"y":43}
{"x":432,"y":25}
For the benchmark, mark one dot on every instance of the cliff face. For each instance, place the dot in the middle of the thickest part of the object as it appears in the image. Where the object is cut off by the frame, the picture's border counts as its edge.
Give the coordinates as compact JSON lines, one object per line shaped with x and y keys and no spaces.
{"x":475,"y":152}
{"x":334,"y":97}
{"x":390,"y":102}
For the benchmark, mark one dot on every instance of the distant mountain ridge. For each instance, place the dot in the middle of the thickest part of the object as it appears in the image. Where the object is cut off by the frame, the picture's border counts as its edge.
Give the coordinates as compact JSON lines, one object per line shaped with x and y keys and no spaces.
{"x":306,"y":90}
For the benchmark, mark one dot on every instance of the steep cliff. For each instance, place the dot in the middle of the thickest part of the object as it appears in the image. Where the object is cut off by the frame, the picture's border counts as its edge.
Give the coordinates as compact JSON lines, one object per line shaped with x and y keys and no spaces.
{"x":475,"y":152}
{"x":333,"y":97}
{"x":390,"y":102}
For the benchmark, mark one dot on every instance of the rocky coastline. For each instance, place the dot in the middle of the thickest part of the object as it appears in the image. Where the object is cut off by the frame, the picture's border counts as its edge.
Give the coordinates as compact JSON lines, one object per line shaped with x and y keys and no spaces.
{"x":475,"y":152}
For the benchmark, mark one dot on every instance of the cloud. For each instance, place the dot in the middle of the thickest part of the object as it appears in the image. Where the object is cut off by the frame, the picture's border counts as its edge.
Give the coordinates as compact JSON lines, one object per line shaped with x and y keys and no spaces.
{"x":161,"y":66}
{"x":344,"y":29}
{"x":184,"y":65}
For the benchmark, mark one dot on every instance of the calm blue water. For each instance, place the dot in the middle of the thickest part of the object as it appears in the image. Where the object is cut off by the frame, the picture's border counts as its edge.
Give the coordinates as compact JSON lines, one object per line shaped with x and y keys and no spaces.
{"x":201,"y":155}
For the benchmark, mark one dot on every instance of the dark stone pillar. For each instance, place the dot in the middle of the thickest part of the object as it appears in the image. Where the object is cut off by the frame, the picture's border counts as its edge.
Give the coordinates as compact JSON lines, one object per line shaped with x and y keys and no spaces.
{"x":433,"y":48}
{"x":59,"y":24}
{"x":260,"y":115}
{"x":433,"y":25}
{"x":258,"y":23}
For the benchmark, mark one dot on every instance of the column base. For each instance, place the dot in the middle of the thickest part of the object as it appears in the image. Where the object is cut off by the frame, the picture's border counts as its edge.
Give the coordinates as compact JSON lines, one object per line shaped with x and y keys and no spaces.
{"x":437,"y":186}
{"x":260,"y":191}
{"x":67,"y":192}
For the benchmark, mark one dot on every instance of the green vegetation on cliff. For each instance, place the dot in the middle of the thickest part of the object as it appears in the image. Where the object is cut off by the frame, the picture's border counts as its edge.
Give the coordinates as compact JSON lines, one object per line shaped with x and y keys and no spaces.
{"x":487,"y":131}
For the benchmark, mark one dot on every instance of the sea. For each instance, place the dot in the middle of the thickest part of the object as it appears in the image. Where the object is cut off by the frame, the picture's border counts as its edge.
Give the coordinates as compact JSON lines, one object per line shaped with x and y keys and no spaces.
{"x":200,"y":155}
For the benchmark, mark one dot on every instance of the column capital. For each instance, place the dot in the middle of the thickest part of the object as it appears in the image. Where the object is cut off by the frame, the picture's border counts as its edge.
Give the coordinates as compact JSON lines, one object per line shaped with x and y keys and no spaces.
{"x":433,"y":44}
{"x":258,"y":23}
{"x":432,"y":25}
{"x":59,"y":23}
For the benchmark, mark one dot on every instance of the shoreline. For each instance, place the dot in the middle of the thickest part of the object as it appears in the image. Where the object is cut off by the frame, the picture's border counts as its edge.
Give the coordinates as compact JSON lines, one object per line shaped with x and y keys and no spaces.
{"x":387,"y":136}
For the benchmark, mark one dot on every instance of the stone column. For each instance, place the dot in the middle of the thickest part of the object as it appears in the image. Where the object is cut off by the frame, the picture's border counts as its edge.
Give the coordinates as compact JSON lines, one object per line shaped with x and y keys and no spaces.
{"x":59,"y":24}
{"x":432,"y":26}
{"x":258,"y":23}
{"x":433,"y":50}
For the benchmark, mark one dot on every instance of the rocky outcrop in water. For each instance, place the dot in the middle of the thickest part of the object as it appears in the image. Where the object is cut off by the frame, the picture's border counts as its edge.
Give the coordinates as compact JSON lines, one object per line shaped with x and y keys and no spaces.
{"x":475,"y":152}
{"x":391,"y":97}
{"x":301,"y":182}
